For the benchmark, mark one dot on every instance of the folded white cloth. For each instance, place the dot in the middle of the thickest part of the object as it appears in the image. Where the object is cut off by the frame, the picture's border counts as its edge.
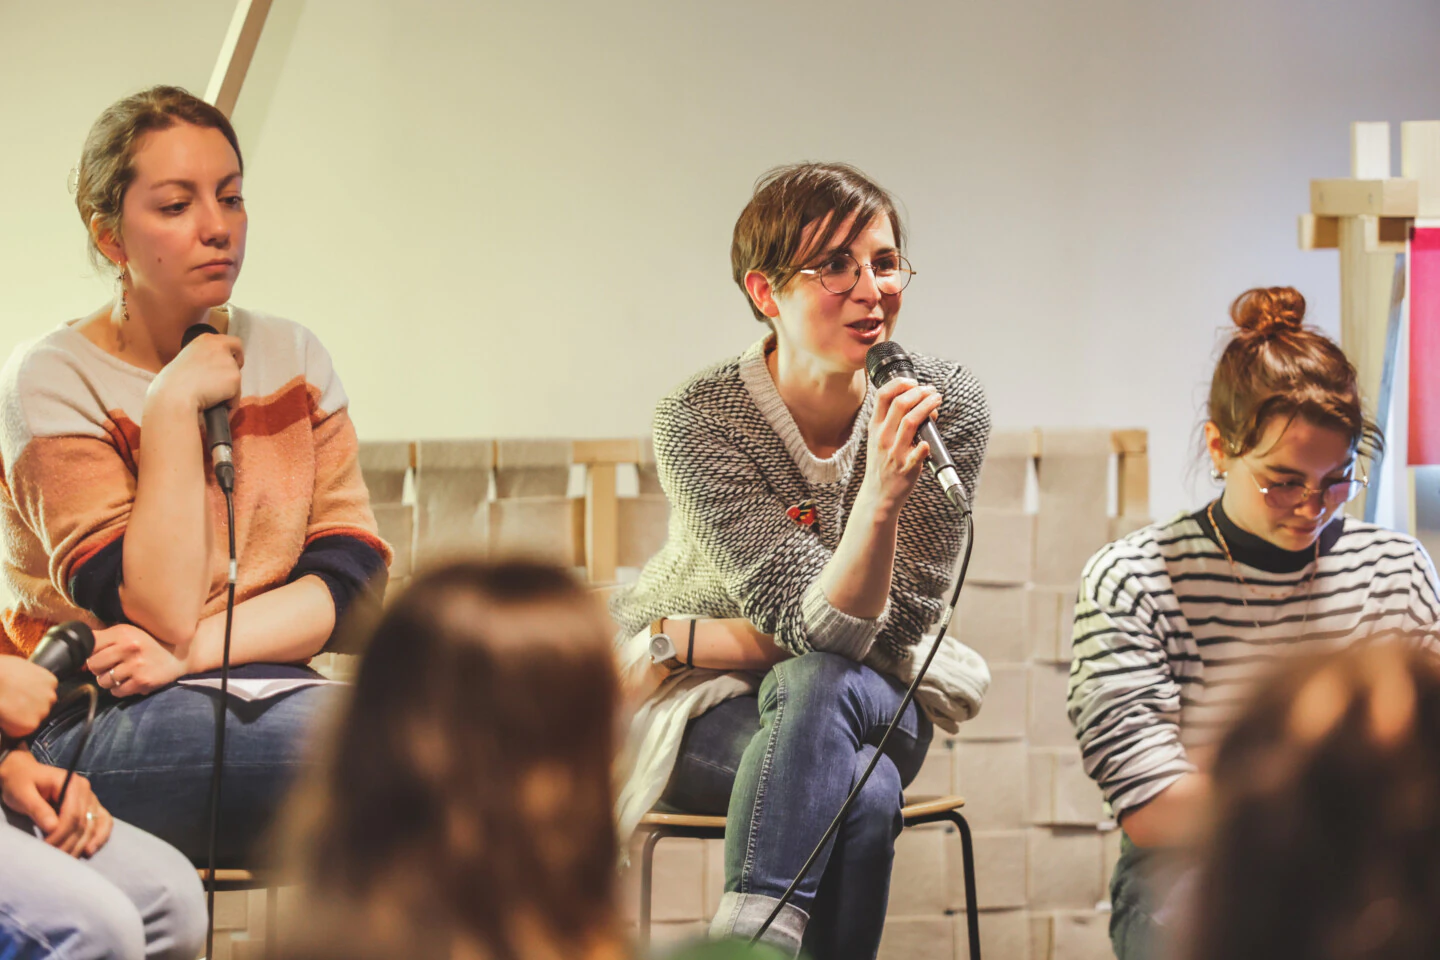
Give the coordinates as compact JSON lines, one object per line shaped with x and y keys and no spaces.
{"x":652,"y":743}
{"x":954,"y":686}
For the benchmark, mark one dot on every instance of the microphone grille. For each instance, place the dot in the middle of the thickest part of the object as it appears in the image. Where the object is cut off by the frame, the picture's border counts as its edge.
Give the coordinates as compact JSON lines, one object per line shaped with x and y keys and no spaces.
{"x":195,"y":330}
{"x":78,"y":636}
{"x":887,"y":360}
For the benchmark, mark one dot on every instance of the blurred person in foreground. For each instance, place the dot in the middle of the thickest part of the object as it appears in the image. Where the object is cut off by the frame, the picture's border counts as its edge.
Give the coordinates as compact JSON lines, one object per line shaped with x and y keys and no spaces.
{"x":1326,"y":843}
{"x":463,"y":807}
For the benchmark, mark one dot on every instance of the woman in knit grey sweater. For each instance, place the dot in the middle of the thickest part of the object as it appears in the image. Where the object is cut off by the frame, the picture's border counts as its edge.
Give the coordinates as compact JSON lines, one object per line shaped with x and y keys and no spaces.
{"x":805,"y":562}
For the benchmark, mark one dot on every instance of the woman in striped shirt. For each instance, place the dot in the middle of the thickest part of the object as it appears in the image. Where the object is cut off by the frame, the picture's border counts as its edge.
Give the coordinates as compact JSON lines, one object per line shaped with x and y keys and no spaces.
{"x":1176,"y":622}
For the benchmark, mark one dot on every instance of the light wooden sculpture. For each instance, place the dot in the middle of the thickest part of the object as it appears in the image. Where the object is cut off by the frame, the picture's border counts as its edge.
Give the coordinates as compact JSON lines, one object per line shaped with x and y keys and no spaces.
{"x":1369,"y":217}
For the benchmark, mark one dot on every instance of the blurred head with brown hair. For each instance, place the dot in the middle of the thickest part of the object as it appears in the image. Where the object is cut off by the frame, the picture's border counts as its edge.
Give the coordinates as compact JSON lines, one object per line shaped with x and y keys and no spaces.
{"x":1326,"y":838}
{"x":464,"y":805}
{"x":1285,"y":426}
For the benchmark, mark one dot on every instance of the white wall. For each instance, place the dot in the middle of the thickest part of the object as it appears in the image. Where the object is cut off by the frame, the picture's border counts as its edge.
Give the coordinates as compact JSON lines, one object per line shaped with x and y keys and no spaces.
{"x":514,"y":218}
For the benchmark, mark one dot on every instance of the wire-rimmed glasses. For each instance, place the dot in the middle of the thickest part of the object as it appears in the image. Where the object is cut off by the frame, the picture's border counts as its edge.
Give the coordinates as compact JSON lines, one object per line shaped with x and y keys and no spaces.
{"x":1288,"y":496}
{"x":839,"y":272}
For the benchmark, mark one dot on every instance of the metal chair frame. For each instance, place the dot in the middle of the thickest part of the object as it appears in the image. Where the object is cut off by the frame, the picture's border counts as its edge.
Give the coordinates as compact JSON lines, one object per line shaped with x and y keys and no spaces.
{"x":659,"y":826}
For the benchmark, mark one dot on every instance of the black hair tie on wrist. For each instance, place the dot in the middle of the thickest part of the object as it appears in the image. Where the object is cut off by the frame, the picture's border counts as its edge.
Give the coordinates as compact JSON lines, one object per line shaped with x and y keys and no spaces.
{"x":690,"y":657}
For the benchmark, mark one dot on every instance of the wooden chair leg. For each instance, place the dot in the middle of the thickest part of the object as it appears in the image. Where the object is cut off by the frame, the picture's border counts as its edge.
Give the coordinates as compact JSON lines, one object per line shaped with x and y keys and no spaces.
{"x":647,"y":864}
{"x":972,"y":909}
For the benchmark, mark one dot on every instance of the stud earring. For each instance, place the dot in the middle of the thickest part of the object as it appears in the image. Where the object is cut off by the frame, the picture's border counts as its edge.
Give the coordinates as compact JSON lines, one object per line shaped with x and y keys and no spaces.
{"x":1216,"y":475}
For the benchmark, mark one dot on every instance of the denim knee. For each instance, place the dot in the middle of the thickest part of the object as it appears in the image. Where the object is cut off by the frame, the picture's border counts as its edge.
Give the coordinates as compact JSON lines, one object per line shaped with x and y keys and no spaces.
{"x":876,"y":817}
{"x":178,"y":933}
{"x":102,"y":925}
{"x":817,"y":679}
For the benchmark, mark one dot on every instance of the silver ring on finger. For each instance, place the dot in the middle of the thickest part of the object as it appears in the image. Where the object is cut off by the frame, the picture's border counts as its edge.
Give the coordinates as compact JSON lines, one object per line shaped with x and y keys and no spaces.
{"x":111,"y":674}
{"x":89,"y":816}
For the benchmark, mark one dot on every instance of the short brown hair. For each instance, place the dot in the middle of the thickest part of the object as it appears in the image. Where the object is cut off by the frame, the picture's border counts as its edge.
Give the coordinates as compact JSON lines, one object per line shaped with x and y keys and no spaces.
{"x":788,"y":199}
{"x":1325,"y":838}
{"x":107,"y":164}
{"x":1276,"y":366}
{"x":465,"y":804}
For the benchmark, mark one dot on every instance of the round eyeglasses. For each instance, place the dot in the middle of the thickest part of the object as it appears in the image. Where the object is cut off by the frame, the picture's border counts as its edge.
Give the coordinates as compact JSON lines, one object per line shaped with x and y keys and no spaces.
{"x":840,"y":272}
{"x":1288,"y":496}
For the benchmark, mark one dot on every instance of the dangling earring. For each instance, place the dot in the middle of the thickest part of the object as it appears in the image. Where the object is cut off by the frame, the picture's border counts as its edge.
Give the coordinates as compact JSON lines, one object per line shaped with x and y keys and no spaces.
{"x":1216,"y":475}
{"x":124,"y":279}
{"x":124,"y":307}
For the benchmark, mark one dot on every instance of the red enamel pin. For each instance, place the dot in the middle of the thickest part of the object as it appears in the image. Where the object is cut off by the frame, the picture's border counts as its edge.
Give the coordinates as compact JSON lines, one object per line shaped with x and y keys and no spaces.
{"x":804,"y":513}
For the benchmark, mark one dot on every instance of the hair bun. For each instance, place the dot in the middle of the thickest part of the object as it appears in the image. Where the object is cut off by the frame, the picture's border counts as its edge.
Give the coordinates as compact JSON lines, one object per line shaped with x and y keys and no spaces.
{"x":1268,"y":310}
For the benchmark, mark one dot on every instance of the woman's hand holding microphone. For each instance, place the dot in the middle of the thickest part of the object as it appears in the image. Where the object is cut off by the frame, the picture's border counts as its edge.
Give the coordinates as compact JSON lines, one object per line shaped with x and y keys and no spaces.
{"x":204,"y":373}
{"x":856,"y":581}
{"x":31,"y":788}
{"x":893,"y":460}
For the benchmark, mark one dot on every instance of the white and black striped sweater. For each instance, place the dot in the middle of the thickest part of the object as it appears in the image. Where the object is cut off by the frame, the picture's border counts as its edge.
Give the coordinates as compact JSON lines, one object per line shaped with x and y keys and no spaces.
{"x":732,"y":462}
{"x":1167,"y":647}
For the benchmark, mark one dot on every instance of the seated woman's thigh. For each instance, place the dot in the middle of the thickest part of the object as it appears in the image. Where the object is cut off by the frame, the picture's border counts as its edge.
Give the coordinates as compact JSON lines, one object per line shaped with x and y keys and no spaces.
{"x":709,"y":756}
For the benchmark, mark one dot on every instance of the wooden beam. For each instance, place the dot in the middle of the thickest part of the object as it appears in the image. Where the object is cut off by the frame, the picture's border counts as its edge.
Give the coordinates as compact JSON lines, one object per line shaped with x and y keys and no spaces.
{"x":1130,"y":441}
{"x":1420,"y":159}
{"x":243,"y":37}
{"x":1382,"y":234}
{"x":622,"y":450}
{"x":1370,"y":150}
{"x":1366,"y":279}
{"x":1319,"y":233}
{"x":602,"y":523}
{"x":1391,"y":197}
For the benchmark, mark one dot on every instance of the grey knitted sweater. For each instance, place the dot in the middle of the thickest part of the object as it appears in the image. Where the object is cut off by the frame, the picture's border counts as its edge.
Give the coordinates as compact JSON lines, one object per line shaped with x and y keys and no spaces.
{"x":733,"y":465}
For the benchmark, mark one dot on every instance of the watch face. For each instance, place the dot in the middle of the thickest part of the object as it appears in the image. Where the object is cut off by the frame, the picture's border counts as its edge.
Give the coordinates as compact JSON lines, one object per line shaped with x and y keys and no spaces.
{"x":661,"y":647}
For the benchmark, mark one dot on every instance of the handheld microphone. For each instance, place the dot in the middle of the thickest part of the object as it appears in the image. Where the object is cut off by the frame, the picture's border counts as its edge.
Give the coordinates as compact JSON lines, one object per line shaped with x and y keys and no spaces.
{"x":64,"y":649}
{"x":217,"y":423}
{"x":884,"y":362}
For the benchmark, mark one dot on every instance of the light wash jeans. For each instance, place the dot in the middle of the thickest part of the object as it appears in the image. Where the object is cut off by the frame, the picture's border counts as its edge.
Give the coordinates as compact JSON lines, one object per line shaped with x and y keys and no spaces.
{"x":1152,"y":895}
{"x":137,"y":897}
{"x":779,"y":766}
{"x":150,"y":758}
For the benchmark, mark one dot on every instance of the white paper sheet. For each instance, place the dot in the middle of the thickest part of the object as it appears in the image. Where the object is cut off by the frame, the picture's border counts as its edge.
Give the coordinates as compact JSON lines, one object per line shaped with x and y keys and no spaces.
{"x":258,"y":689}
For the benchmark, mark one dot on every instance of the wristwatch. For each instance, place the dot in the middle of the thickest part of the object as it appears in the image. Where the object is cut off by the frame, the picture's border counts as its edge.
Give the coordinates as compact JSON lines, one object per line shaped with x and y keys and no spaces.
{"x":662,"y":647}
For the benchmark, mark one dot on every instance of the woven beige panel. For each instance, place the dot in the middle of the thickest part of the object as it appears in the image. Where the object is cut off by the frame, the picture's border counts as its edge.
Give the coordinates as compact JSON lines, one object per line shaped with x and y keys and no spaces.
{"x":384,"y":464}
{"x":1004,"y":547}
{"x":397,"y":528}
{"x":644,"y":521}
{"x":552,"y":528}
{"x":649,"y":474}
{"x":1006,"y":470}
{"x":452,"y":490}
{"x":532,"y":468}
{"x":1073,"y":522}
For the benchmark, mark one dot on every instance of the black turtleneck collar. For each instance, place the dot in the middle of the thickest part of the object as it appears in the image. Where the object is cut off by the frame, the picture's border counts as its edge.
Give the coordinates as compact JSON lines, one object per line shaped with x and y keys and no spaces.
{"x":1261,"y":554}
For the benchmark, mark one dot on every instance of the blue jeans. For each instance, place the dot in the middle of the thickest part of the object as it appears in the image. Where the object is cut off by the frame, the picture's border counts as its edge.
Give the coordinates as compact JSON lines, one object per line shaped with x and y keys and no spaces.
{"x":779,"y":766}
{"x":135,"y":898}
{"x":150,"y":759}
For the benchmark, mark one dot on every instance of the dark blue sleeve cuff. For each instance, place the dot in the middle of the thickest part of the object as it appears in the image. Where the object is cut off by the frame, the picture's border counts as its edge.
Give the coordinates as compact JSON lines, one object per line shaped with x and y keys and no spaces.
{"x":351,"y":568}
{"x":95,"y":586}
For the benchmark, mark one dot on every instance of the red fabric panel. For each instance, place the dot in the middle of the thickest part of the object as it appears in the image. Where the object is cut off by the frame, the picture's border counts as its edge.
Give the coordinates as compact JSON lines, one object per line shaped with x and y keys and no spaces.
{"x":1425,"y":347}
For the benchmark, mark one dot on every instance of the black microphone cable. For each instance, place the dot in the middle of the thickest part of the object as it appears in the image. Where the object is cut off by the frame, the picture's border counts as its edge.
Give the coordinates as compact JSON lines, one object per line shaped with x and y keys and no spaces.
{"x":84,"y":690}
{"x":73,"y":696}
{"x":217,"y":771}
{"x":968,"y":520}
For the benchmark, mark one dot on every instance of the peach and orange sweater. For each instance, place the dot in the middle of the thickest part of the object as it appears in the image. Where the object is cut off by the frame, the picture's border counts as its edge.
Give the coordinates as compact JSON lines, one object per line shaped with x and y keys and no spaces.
{"x":70,"y":422}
